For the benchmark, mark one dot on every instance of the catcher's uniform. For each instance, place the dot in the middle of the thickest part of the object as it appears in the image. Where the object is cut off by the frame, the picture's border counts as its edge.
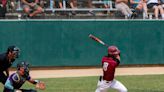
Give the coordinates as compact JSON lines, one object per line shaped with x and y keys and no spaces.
{"x":15,"y":81}
{"x":107,"y":81}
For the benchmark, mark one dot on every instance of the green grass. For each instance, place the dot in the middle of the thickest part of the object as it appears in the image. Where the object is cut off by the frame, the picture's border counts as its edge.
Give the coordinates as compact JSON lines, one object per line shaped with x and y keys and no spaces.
{"x":145,"y":83}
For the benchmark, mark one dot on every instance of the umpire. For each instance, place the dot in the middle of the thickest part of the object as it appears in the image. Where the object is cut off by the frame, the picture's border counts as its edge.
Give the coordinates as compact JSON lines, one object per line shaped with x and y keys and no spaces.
{"x":6,"y":60}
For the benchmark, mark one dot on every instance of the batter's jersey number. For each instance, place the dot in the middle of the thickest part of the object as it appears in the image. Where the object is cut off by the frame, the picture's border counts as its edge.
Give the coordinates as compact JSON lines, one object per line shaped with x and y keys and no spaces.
{"x":105,"y":66}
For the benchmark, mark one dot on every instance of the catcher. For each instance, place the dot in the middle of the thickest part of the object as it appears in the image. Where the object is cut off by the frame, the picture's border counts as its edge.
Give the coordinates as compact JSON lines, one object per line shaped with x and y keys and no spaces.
{"x":16,"y":80}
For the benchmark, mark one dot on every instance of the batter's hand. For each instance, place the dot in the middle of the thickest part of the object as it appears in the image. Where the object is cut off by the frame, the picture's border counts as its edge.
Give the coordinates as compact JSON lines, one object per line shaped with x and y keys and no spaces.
{"x":40,"y":85}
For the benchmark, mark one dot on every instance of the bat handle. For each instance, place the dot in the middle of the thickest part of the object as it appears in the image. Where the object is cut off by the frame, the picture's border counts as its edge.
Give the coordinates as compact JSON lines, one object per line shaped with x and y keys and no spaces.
{"x":106,"y":45}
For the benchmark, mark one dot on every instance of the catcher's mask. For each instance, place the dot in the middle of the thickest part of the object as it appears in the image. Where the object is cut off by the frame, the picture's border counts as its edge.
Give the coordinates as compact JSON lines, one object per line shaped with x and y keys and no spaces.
{"x":14,"y":50}
{"x":25,"y":65}
{"x":113,"y":50}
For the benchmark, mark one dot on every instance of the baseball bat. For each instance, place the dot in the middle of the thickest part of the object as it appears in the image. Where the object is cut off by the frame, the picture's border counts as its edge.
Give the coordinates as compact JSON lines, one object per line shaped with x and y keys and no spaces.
{"x":97,"y":40}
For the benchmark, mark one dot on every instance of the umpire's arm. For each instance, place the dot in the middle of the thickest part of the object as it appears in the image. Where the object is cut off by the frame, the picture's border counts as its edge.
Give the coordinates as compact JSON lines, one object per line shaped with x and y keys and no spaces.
{"x":7,"y":72}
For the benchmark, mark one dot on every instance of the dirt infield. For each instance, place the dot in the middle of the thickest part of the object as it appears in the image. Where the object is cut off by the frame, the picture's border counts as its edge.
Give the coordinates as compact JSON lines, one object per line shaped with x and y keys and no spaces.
{"x":57,"y":73}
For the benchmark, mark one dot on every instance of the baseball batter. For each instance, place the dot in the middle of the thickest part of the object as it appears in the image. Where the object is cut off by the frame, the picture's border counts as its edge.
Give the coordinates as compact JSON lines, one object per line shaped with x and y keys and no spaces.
{"x":109,"y":64}
{"x":16,"y":80}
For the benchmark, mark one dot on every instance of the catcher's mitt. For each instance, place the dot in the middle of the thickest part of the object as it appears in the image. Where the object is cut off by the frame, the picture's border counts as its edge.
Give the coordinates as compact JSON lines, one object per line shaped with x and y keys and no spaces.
{"x":40,"y":85}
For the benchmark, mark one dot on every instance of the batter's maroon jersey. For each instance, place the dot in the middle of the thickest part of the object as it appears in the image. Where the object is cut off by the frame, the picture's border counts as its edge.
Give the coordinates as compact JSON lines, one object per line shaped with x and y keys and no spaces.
{"x":109,"y":66}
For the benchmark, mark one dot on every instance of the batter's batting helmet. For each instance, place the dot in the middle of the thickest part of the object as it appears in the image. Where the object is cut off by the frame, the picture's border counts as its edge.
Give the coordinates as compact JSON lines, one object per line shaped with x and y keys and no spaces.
{"x":113,"y":50}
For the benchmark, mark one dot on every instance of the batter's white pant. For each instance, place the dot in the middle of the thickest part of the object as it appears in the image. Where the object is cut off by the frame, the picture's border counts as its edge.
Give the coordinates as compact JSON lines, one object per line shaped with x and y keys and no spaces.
{"x":104,"y":86}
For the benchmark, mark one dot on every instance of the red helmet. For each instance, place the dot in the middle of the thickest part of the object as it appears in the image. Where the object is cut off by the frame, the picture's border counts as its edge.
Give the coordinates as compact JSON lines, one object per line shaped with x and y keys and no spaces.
{"x":113,"y":50}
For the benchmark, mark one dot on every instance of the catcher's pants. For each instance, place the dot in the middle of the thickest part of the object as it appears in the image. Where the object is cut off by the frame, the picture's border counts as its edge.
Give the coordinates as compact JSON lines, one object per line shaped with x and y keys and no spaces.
{"x":104,"y":86}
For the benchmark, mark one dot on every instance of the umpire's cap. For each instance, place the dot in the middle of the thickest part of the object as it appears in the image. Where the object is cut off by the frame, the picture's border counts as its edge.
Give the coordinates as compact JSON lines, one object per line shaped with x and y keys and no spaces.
{"x":14,"y":49}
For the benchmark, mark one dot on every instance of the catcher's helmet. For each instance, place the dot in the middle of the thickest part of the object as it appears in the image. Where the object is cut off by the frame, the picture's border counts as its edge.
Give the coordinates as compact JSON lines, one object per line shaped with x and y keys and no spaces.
{"x":14,"y":49}
{"x":25,"y":65}
{"x":113,"y":50}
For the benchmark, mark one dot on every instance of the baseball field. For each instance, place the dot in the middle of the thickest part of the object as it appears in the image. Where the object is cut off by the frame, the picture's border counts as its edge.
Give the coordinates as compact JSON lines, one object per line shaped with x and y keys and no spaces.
{"x":63,"y":42}
{"x":136,"y":79}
